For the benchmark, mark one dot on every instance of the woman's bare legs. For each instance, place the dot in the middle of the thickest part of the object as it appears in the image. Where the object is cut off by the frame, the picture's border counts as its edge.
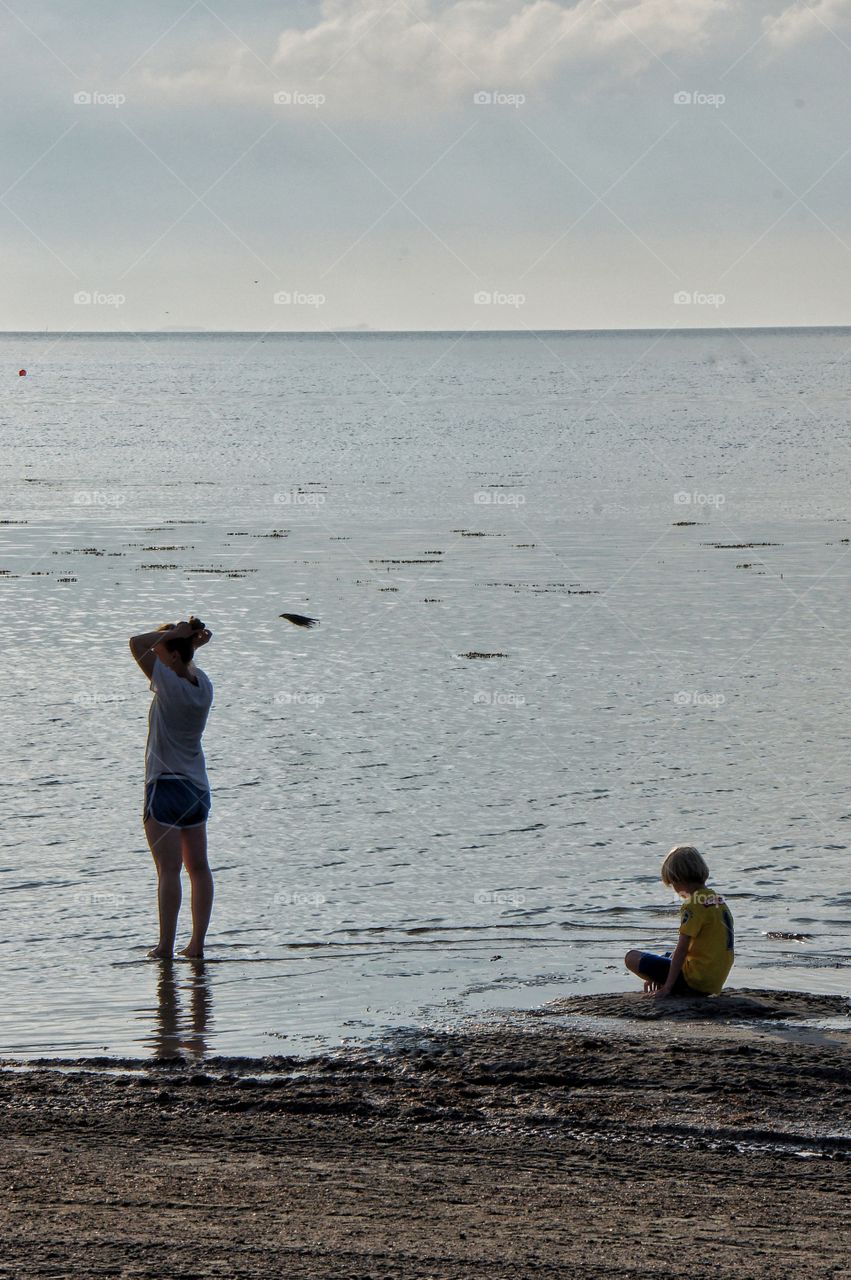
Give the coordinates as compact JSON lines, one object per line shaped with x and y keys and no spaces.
{"x":165,"y":845}
{"x":201,"y":878}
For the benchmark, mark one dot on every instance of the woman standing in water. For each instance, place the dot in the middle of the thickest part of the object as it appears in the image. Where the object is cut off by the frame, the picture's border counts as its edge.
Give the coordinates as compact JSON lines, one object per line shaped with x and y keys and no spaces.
{"x":177,"y":791}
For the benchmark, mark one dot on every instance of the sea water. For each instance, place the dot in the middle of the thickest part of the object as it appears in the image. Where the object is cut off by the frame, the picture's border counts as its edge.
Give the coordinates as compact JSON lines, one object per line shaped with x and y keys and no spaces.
{"x":581,"y":596}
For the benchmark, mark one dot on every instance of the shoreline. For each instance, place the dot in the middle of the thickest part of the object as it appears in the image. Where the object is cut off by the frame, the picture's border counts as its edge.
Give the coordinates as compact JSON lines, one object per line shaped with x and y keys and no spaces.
{"x":541,"y":1147}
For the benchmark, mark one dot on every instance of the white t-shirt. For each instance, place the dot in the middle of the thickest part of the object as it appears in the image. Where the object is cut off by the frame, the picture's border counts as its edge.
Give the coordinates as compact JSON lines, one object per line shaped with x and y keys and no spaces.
{"x":176,"y":720}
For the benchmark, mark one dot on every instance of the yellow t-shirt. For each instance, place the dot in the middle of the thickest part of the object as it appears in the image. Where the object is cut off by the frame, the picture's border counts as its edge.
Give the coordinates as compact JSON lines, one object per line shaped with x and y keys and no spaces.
{"x":707,"y":920}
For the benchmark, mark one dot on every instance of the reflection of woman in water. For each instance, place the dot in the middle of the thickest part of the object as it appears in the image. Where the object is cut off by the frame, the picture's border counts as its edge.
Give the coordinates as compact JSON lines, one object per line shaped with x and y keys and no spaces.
{"x":177,"y":791}
{"x":178,"y":1031}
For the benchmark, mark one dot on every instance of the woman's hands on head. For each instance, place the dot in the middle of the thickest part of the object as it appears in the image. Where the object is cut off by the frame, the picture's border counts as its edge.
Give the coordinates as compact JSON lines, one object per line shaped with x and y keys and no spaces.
{"x":200,"y":633}
{"x":193,"y":630}
{"x":181,"y":631}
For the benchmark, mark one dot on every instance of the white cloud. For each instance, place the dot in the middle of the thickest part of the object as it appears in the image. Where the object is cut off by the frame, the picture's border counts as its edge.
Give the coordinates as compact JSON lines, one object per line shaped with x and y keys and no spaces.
{"x":374,"y":56}
{"x":800,"y":22}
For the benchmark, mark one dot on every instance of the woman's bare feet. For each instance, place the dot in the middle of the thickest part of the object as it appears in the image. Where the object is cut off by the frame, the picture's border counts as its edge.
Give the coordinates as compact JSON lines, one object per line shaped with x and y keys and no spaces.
{"x":193,"y":952}
{"x":160,"y":952}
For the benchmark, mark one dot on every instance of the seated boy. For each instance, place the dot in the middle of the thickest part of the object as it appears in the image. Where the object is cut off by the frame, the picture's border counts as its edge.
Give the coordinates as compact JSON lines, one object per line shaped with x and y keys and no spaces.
{"x":703,"y":956}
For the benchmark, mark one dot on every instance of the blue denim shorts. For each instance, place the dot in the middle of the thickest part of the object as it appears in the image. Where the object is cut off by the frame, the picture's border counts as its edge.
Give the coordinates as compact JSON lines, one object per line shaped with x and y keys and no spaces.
{"x":657,"y":968}
{"x":176,"y":802}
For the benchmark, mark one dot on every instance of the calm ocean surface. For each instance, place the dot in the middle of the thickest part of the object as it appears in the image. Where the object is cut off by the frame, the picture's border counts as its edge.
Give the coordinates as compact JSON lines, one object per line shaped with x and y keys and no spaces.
{"x":402,"y":834}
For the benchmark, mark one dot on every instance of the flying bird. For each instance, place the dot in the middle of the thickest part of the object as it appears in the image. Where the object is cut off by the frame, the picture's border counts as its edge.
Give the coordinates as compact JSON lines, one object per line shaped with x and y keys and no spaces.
{"x":299,"y":619}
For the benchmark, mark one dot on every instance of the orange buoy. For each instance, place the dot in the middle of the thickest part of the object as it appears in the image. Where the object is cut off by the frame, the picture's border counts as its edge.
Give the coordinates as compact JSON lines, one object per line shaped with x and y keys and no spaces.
{"x":22,"y":373}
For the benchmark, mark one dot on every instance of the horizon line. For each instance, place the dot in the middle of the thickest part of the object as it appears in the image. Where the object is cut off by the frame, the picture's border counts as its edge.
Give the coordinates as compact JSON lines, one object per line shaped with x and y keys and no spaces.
{"x":367,"y":332}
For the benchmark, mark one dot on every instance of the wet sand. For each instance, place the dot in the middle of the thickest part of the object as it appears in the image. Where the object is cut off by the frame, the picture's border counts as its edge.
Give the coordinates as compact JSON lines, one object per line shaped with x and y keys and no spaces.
{"x":680,"y":1138}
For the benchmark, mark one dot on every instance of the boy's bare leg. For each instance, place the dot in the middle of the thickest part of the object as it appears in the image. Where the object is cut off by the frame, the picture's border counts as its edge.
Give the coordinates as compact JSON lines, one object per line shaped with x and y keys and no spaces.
{"x":164,"y":843}
{"x":632,"y":960}
{"x":201,"y":878}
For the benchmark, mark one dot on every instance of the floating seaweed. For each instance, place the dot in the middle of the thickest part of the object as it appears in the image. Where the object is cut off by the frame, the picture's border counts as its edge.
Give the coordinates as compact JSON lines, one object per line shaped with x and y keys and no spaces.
{"x":228,"y":572}
{"x":471,"y":533}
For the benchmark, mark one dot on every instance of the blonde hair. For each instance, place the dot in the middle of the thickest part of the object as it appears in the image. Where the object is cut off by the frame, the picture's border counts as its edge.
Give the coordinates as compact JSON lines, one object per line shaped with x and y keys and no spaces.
{"x":684,"y":865}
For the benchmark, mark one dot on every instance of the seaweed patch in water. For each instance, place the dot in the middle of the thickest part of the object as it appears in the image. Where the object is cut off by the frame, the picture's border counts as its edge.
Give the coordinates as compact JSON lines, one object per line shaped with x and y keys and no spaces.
{"x":223,"y":569}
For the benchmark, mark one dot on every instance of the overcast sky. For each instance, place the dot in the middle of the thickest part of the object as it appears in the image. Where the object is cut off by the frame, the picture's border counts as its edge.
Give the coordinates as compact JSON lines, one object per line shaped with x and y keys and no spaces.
{"x":426,"y":165}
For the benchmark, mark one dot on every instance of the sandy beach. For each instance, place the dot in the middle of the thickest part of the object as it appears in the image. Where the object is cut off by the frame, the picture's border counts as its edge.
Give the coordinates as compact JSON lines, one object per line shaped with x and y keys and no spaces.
{"x":595,"y":1136}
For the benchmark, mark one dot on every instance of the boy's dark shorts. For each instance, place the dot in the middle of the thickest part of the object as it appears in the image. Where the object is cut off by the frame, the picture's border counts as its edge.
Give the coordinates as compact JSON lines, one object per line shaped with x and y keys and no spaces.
{"x":176,"y":802}
{"x":657,"y":968}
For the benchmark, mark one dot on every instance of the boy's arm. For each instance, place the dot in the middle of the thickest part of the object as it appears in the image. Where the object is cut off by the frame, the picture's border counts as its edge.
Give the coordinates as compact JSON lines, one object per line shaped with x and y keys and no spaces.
{"x":677,"y":960}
